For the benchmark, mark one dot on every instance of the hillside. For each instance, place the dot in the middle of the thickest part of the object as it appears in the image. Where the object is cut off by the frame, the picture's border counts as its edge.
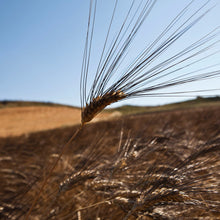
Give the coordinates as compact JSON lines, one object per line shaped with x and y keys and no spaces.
{"x":24,"y":118}
{"x":11,"y":103}
{"x":20,"y":117}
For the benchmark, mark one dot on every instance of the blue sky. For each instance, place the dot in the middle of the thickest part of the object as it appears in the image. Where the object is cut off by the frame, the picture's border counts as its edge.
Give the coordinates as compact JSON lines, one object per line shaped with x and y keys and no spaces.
{"x":41,"y":46}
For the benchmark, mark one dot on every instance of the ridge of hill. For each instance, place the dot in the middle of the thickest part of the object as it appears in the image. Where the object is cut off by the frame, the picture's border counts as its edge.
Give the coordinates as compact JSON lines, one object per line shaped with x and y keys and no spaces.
{"x":14,"y":103}
{"x":125,"y":109}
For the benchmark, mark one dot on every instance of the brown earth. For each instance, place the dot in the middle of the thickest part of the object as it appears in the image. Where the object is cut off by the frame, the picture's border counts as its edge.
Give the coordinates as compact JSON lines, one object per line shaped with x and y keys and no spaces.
{"x":126,"y":169}
{"x":16,"y":121}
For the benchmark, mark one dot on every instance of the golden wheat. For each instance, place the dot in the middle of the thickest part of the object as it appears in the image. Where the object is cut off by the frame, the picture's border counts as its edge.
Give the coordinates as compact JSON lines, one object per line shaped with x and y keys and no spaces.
{"x":142,"y":77}
{"x":165,"y":177}
{"x":99,"y":103}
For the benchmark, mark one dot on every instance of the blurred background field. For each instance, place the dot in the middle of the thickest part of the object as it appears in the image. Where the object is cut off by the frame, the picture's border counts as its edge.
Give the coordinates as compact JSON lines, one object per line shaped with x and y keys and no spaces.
{"x":20,"y":117}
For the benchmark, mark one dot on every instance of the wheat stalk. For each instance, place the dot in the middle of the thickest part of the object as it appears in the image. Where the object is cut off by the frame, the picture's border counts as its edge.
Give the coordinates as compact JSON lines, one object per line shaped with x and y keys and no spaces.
{"x":142,"y":77}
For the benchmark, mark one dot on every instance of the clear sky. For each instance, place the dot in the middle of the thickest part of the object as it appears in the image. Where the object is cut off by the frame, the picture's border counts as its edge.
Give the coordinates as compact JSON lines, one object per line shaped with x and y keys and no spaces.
{"x":41,"y":45}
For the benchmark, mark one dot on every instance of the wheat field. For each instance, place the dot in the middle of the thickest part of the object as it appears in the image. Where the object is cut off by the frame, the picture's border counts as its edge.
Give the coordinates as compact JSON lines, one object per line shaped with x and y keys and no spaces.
{"x":149,"y":166}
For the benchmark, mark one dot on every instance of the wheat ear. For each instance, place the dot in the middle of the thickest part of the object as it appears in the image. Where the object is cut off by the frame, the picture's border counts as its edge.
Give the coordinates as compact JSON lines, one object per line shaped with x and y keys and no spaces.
{"x":99,"y":103}
{"x":144,"y":76}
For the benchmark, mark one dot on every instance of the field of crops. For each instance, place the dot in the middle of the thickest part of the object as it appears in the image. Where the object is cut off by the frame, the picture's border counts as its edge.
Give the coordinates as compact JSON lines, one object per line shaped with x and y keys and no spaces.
{"x":162,"y":165}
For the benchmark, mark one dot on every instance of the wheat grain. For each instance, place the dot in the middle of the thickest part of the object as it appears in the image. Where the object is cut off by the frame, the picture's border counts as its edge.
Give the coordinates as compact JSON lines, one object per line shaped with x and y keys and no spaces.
{"x":99,"y":103}
{"x":77,"y":178}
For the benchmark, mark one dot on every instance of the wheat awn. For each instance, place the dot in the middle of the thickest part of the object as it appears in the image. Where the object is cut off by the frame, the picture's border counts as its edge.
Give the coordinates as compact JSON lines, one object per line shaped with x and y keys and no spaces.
{"x":143,"y":77}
